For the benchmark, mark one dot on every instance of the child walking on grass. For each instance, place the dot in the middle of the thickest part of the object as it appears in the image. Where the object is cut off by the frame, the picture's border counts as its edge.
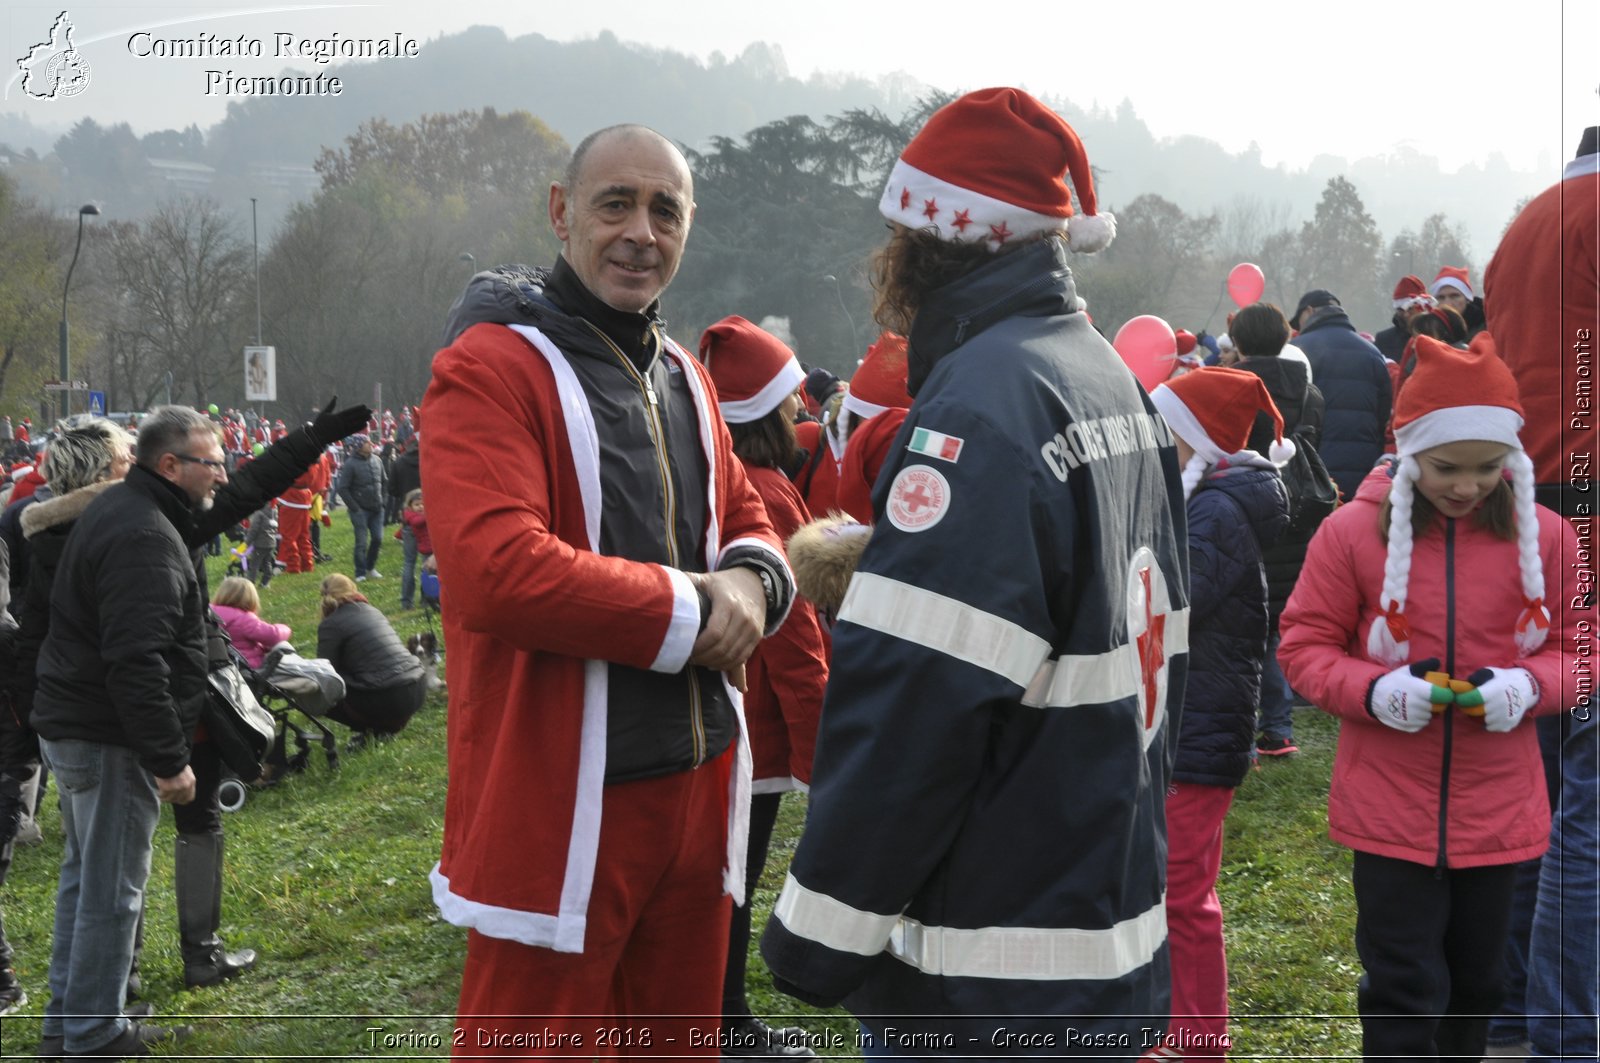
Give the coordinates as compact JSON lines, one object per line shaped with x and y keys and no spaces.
{"x":1433,"y":613}
{"x":1236,"y":508}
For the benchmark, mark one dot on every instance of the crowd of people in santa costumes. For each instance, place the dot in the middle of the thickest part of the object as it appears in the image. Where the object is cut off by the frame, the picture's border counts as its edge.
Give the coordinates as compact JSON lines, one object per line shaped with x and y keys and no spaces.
{"x":1059,"y":621}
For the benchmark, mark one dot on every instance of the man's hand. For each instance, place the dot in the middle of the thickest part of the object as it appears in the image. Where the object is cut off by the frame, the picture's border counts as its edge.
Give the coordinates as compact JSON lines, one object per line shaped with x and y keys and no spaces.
{"x":738,"y":617}
{"x":332,"y":425}
{"x":177,"y":789}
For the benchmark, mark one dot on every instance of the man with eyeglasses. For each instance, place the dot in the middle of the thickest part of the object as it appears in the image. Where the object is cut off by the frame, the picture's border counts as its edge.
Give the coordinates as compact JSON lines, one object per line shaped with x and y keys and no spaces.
{"x":121,"y":682}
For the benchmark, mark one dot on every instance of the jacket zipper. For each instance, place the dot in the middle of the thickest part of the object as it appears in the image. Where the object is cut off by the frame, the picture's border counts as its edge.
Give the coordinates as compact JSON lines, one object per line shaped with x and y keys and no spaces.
{"x":1450,"y":668}
{"x":658,"y":438}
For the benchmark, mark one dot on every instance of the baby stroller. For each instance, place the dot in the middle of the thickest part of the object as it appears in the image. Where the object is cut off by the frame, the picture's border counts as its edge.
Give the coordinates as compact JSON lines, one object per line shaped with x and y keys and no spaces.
{"x":297,"y":691}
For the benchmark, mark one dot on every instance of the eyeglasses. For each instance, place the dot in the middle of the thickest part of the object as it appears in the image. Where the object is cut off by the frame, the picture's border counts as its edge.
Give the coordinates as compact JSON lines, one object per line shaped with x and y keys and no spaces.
{"x":214,"y":466}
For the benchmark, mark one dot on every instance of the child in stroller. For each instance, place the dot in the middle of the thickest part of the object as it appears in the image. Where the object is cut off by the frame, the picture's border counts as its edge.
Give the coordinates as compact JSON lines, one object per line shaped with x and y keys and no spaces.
{"x":298,"y":692}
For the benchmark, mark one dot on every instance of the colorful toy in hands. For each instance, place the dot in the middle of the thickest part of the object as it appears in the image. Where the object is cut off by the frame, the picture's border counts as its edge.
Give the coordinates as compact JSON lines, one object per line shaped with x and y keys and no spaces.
{"x":1447,"y":691}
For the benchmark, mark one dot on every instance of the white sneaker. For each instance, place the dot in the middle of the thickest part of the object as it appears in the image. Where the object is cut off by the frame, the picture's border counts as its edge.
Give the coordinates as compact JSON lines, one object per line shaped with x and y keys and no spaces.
{"x":361,"y":579}
{"x":375,"y":574}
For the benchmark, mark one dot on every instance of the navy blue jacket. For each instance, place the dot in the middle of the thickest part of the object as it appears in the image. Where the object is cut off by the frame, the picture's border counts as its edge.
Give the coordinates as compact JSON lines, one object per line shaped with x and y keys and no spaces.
{"x":1355,"y":388}
{"x":985,"y":845}
{"x":1235,"y":512}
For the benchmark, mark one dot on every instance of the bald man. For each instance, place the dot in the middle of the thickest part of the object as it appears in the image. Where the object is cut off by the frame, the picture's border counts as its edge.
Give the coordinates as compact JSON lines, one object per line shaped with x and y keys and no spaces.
{"x":607,"y":571}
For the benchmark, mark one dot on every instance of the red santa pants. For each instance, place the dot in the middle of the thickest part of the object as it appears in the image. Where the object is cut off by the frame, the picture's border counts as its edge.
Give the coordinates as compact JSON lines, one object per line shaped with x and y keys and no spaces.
{"x":649,"y":981}
{"x":1195,"y":813}
{"x":294,"y":526}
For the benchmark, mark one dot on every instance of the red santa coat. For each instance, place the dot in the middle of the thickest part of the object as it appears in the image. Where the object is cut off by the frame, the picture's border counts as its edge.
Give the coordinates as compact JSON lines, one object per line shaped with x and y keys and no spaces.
{"x":864,"y":456}
{"x":532,"y":614}
{"x":789,"y":670}
{"x":1539,"y":304}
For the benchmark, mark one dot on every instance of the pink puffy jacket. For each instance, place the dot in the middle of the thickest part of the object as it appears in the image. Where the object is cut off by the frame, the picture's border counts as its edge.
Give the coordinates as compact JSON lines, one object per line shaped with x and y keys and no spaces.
{"x":252,"y":636}
{"x":1453,"y":794}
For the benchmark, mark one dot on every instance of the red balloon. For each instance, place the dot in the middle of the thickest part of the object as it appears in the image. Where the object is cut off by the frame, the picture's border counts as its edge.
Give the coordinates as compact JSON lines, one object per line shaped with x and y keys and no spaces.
{"x":1246,"y":282}
{"x":1149,"y":347}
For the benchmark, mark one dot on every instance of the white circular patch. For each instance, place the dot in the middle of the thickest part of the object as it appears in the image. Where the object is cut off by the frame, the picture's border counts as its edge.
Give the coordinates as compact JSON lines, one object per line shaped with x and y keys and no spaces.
{"x":918,"y":498}
{"x":1149,"y":606}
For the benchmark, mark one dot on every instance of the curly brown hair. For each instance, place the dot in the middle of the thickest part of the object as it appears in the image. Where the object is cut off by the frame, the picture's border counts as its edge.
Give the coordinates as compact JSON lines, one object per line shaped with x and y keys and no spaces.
{"x":915,"y":263}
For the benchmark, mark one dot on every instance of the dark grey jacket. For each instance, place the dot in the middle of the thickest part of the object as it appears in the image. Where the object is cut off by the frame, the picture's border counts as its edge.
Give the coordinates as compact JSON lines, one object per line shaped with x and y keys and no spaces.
{"x":361,"y":483}
{"x":365,"y":650}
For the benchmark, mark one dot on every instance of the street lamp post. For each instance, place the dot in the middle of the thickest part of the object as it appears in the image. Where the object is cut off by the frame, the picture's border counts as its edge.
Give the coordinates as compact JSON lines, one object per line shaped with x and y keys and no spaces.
{"x":851,"y":321}
{"x":66,"y":361}
{"x":472,"y":263}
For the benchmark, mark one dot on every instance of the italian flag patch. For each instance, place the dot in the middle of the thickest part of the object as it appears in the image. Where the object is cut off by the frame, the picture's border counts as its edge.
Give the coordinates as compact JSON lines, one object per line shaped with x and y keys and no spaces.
{"x":935,"y":445}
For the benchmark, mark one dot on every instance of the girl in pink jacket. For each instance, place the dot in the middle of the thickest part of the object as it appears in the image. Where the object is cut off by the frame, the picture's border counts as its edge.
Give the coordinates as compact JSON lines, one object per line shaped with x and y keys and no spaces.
{"x":237,"y":604}
{"x":1434,"y":612}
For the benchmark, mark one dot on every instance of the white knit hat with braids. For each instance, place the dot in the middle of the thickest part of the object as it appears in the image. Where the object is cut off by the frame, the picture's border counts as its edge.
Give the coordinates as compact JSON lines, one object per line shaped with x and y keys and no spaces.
{"x":1457,"y":395}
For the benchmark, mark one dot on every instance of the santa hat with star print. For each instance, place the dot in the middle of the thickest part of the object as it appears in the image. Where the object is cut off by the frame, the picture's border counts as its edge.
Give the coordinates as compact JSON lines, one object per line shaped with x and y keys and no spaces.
{"x":991,"y":166}
{"x":1456,"y":395}
{"x":1411,"y":292}
{"x":754,"y":371}
{"x":1213,"y":410}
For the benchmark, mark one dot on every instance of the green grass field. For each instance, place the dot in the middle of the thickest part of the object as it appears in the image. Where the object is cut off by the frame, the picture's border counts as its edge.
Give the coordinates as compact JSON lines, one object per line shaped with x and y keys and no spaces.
{"x":327,"y":878}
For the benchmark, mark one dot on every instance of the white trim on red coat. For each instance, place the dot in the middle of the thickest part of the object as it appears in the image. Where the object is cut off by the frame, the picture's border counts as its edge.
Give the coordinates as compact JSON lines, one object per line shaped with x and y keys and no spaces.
{"x":564,"y":932}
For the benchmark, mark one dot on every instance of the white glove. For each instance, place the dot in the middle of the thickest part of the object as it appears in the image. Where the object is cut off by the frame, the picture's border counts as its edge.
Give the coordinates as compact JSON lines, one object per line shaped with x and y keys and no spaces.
{"x":1508,"y":694}
{"x":1404,"y":700}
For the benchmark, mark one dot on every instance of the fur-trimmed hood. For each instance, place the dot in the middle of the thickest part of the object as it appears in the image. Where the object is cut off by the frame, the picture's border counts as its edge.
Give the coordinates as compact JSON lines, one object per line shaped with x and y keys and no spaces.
{"x":56,"y":511}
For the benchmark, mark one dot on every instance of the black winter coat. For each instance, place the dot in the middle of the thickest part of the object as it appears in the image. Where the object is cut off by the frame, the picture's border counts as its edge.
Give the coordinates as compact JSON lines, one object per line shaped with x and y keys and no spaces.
{"x":45,"y":526}
{"x":1300,"y":402}
{"x":1228,"y":620}
{"x":364,"y":649}
{"x":1354,"y":380}
{"x":125,"y":661}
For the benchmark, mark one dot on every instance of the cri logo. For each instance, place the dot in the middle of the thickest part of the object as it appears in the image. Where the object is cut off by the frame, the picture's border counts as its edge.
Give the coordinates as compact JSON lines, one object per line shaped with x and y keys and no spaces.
{"x":1149,"y":609}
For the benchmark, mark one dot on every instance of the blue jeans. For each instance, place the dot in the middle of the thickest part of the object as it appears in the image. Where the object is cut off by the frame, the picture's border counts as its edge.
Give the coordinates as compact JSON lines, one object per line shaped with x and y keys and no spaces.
{"x":1277,"y":699}
{"x":369,"y":537}
{"x":109,"y":810}
{"x":1562,"y":998}
{"x":408,"y":578}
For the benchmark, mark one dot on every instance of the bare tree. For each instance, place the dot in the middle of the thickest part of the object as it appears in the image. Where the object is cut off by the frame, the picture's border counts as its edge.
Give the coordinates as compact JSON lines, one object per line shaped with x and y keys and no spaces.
{"x":183,"y":274}
{"x":29,"y":294}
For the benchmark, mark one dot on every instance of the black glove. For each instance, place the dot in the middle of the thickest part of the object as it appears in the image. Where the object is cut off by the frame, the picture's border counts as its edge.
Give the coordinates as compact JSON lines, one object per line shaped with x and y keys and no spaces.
{"x":333,"y":425}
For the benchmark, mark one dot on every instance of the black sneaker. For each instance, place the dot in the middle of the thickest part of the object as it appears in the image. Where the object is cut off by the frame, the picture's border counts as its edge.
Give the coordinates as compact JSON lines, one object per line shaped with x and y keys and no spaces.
{"x":1276,"y":746}
{"x":11,"y":995}
{"x":135,"y":1040}
{"x":51,"y":1049}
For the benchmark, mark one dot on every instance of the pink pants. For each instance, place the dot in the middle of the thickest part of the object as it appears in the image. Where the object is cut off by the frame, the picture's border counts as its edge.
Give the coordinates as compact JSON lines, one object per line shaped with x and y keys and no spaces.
{"x":1195,"y":813}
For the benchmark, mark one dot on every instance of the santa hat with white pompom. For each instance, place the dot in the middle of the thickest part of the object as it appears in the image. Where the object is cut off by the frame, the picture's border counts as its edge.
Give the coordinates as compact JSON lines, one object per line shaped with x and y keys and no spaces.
{"x":991,"y":166}
{"x":1213,"y":409}
{"x":1455,"y":395}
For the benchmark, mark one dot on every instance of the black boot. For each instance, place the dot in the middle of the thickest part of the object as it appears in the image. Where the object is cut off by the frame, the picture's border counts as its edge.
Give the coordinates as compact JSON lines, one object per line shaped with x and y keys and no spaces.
{"x":198,"y":880}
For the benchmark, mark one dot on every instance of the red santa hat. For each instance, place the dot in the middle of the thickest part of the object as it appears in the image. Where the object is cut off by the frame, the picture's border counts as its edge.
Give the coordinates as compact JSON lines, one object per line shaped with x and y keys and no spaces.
{"x":754,"y":370}
{"x":1456,"y":395}
{"x":1411,"y":292}
{"x":1453,"y":277}
{"x":991,"y":166}
{"x":879,"y":382}
{"x":1213,"y":409}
